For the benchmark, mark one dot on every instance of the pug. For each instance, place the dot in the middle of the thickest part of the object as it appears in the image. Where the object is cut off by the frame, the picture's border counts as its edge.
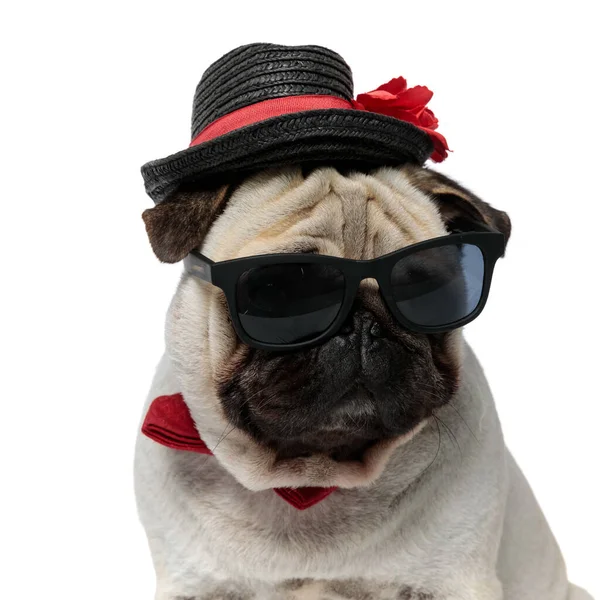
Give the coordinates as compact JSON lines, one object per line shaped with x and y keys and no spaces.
{"x":384,"y":440}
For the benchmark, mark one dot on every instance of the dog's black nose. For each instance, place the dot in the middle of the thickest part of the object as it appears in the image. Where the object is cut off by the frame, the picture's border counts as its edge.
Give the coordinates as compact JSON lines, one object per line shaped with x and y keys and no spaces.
{"x":360,"y":342}
{"x":363,"y":327}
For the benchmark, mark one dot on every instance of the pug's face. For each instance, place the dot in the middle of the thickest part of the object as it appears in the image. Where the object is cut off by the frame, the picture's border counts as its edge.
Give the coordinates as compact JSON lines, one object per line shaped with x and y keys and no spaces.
{"x":330,"y":414}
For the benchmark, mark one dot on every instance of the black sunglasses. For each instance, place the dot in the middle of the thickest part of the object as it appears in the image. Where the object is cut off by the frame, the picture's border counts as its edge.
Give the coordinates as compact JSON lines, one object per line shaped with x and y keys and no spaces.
{"x":290,"y":301}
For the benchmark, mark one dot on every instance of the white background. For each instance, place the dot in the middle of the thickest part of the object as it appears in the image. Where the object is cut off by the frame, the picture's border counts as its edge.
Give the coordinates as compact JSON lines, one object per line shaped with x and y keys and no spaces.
{"x":90,"y":91}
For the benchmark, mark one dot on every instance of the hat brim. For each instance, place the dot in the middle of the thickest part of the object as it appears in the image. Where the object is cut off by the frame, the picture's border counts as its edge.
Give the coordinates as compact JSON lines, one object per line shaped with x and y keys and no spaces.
{"x":309,"y":137}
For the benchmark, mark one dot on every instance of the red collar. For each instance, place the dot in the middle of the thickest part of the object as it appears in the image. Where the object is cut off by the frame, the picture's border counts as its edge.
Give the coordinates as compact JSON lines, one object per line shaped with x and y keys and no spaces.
{"x":169,"y":422}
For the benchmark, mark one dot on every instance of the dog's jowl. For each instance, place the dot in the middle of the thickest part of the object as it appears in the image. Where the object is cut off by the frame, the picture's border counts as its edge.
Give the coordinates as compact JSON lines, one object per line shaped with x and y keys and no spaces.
{"x":318,"y":428}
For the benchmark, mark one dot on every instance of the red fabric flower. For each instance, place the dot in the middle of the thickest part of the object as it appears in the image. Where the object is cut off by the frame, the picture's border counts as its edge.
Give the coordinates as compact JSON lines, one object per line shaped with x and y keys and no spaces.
{"x":396,"y":100}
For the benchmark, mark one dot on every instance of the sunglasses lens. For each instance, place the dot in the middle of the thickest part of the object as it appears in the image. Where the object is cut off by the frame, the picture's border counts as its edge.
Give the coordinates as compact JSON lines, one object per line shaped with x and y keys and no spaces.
{"x":439,"y":286}
{"x":289,"y":303}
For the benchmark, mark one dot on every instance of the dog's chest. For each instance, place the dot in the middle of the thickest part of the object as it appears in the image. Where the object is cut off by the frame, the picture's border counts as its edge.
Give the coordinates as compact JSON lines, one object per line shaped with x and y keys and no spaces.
{"x":289,"y":555}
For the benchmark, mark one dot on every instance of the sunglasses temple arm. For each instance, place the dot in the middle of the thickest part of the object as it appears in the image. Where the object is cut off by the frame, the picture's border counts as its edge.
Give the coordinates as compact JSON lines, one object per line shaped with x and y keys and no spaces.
{"x":199,"y":265}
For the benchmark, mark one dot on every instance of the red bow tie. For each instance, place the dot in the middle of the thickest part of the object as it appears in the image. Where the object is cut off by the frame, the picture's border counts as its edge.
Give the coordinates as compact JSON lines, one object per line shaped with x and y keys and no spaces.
{"x":169,"y":422}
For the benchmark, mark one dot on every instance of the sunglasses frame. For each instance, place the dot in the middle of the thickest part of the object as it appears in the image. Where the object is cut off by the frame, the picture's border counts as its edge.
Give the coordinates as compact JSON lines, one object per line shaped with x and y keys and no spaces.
{"x":225,"y":275}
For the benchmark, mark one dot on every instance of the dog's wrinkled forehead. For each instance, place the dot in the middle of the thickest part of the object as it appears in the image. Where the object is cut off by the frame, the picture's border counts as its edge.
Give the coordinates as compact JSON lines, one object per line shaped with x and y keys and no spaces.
{"x":355,"y":216}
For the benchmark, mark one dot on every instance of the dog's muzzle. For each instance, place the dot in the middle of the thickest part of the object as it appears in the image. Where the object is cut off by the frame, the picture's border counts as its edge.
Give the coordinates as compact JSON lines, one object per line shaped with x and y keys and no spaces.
{"x":348,"y":401}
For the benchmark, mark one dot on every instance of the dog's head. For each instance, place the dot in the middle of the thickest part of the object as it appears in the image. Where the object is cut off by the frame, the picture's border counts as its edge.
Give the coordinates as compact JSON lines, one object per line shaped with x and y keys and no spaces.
{"x":330,"y":414}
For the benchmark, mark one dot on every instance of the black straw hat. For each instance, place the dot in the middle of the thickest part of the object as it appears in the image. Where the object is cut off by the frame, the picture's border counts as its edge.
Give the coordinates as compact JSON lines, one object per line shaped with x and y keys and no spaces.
{"x":266,"y":105}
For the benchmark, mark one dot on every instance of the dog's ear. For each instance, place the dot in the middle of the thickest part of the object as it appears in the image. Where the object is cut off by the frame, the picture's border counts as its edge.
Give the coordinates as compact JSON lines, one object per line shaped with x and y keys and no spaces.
{"x":180,"y":223}
{"x":460,"y":209}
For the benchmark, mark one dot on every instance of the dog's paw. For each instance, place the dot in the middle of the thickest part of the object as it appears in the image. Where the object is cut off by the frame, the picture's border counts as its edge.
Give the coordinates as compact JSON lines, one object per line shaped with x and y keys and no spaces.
{"x":222,"y":593}
{"x":218,"y":591}
{"x":350,"y":589}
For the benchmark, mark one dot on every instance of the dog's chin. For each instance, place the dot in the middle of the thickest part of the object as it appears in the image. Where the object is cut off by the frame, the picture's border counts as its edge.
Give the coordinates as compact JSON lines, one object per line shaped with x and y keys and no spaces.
{"x":353,"y":462}
{"x":350,"y":433}
{"x":348,"y":448}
